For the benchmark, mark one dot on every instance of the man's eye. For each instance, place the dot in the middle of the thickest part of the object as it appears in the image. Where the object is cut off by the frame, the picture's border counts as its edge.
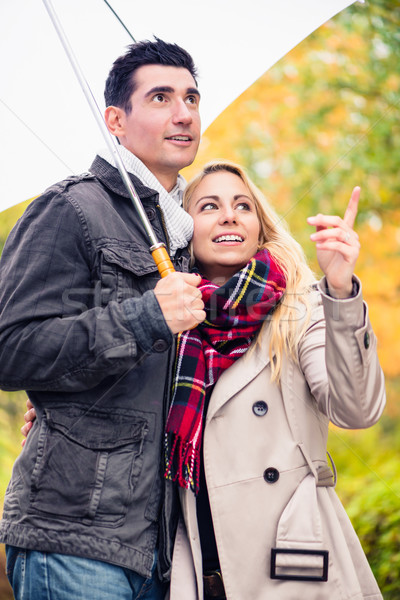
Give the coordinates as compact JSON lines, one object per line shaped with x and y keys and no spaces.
{"x":192,"y":99}
{"x":158,"y":98}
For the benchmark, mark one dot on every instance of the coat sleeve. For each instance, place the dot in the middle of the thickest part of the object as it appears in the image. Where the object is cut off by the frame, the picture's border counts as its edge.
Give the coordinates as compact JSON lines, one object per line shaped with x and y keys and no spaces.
{"x":53,"y":336}
{"x":338,"y":357}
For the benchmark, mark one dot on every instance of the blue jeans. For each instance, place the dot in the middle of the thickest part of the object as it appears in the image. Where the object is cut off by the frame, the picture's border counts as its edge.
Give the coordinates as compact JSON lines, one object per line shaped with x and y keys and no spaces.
{"x":50,"y":576}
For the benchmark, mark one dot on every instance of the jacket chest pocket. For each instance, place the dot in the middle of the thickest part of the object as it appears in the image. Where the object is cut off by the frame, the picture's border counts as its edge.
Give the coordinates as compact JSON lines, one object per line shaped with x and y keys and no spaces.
{"x":87,"y":465}
{"x":125,"y":273}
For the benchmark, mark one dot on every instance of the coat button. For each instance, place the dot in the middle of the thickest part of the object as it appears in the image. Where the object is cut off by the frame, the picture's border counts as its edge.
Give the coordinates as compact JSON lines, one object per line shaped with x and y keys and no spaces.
{"x":160,"y":345}
{"x":271,"y":475}
{"x":151,"y":213}
{"x":366,"y":340}
{"x":260,"y":408}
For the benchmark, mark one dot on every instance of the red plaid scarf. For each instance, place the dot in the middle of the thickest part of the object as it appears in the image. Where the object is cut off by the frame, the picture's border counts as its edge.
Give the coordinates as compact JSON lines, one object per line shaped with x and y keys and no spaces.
{"x":235,"y":313}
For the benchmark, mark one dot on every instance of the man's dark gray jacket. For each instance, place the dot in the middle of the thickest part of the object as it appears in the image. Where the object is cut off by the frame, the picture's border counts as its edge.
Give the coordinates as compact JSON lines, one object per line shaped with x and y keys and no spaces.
{"x":81,"y":331}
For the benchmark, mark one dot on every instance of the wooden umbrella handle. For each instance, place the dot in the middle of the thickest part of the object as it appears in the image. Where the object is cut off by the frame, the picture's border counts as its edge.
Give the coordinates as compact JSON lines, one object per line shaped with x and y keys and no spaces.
{"x":162,"y":260}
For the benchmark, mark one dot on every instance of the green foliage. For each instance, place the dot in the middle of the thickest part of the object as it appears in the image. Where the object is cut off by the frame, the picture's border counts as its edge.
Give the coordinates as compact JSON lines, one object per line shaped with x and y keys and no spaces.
{"x":355,"y":92}
{"x":369,"y":487}
{"x":12,"y":408}
{"x":375,"y":512}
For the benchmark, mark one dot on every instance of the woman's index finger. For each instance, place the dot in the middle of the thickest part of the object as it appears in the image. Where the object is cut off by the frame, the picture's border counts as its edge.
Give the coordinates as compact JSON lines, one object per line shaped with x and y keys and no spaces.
{"x":352,"y":207}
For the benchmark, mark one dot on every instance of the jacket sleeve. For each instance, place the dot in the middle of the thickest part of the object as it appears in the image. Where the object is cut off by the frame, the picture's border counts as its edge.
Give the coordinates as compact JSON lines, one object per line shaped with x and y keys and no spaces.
{"x":53,"y":336}
{"x":339,"y":360}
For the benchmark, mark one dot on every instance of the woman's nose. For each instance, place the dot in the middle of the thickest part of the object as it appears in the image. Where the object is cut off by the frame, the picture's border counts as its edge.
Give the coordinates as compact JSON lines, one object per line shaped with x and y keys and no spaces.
{"x":228,"y":215}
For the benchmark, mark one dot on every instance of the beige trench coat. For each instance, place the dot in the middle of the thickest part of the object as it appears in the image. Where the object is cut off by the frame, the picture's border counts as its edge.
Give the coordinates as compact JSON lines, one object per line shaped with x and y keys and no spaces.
{"x":266,"y":466}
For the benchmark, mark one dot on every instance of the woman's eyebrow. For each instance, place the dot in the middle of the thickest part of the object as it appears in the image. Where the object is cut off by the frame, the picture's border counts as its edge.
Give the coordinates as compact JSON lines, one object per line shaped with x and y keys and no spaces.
{"x":208,"y":197}
{"x":237,"y":196}
{"x":217,"y":198}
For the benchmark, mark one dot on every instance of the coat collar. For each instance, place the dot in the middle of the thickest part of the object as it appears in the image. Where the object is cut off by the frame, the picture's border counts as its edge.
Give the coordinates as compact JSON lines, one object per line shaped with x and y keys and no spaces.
{"x":244,"y":370}
{"x":111,"y":179}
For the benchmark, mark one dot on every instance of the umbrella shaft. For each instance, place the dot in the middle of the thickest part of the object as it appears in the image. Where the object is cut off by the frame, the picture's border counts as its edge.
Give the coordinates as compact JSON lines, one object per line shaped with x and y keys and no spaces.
{"x":109,"y":139}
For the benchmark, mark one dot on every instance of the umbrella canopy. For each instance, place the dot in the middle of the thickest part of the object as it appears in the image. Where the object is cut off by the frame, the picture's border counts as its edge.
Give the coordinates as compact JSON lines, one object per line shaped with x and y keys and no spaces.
{"x":48,"y":131}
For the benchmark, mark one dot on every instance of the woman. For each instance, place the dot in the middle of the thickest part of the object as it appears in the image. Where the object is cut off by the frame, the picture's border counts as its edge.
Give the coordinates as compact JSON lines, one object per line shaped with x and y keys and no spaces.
{"x":273,"y":527}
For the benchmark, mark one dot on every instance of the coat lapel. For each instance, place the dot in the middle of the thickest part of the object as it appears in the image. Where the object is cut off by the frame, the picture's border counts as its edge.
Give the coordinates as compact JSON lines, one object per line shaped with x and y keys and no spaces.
{"x":238,"y":375}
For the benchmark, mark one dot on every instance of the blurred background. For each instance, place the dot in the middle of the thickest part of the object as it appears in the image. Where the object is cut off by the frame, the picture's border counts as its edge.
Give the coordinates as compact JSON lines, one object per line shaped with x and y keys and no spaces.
{"x":322,"y":120}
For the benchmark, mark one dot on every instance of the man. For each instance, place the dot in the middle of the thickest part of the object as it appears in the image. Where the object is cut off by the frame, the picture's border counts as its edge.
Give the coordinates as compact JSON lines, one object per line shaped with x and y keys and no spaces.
{"x":86,"y":327}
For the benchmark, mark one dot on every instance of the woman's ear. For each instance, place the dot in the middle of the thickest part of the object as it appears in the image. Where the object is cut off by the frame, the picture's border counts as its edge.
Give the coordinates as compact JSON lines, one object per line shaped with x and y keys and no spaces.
{"x":115,"y":119}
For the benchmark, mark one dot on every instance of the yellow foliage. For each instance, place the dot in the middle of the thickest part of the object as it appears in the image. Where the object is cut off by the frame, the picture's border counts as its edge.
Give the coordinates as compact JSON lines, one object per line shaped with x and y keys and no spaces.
{"x":9,"y":217}
{"x":267,"y":114}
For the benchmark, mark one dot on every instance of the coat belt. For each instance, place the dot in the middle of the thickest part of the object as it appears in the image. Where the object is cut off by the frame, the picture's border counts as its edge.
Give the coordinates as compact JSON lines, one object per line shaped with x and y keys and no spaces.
{"x":325,"y":477}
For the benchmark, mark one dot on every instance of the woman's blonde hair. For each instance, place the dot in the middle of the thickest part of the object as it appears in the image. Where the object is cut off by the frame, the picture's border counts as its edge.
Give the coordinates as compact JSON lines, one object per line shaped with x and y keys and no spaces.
{"x":274,"y":235}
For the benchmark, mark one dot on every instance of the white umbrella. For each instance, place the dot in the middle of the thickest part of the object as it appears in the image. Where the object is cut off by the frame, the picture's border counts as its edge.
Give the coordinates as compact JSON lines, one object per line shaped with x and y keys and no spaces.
{"x":47,"y":128}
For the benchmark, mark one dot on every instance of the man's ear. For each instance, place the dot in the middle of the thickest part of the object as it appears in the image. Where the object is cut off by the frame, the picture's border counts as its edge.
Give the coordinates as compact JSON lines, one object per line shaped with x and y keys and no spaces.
{"x":115,"y":119}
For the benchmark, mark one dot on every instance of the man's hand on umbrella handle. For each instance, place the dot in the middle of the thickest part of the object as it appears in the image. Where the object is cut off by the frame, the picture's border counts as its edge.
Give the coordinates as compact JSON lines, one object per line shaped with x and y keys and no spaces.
{"x":29,"y":417}
{"x":180,"y":301}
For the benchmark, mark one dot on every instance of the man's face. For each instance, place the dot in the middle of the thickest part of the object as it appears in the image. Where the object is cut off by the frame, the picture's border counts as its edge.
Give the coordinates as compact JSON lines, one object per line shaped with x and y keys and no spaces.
{"x":163,"y":127}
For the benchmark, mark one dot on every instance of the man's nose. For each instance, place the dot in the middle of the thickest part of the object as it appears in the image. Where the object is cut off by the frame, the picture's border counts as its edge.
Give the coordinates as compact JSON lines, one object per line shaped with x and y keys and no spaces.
{"x":182,"y":113}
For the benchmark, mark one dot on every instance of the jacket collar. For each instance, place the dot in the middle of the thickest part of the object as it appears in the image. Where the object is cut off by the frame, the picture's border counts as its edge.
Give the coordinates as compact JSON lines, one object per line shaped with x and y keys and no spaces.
{"x":111,"y":179}
{"x":244,"y":370}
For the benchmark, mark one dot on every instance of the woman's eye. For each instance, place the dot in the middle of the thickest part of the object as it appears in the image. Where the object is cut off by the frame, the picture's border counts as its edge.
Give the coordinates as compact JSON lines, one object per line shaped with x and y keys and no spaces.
{"x":209,"y":206}
{"x":243,"y":206}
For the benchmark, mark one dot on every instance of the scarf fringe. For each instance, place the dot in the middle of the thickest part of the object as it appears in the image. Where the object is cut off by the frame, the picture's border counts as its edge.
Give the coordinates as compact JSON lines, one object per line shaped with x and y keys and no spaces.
{"x":182,"y":462}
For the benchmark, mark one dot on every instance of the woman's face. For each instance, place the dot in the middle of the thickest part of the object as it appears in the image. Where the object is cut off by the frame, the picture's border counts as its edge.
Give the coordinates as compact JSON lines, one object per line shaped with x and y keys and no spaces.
{"x":226,"y":225}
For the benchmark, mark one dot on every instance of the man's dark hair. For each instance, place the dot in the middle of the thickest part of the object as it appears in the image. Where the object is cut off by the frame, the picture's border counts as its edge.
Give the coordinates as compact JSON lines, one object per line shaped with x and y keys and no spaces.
{"x":121,"y":83}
